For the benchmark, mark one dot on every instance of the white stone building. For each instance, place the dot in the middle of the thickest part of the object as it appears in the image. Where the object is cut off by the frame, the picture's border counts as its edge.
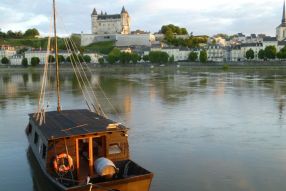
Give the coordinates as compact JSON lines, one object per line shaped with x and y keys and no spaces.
{"x":16,"y":60}
{"x":216,"y":53}
{"x":179,"y":54}
{"x":256,"y":47}
{"x":42,"y":55}
{"x":110,"y":24}
{"x":236,"y":54}
{"x":270,"y":41}
{"x":135,"y":40}
{"x":7,"y":51}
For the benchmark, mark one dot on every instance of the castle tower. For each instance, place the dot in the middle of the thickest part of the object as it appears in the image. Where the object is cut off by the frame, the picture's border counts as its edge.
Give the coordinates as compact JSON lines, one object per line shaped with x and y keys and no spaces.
{"x":125,"y":21}
{"x":94,"y":23}
{"x":281,"y":29}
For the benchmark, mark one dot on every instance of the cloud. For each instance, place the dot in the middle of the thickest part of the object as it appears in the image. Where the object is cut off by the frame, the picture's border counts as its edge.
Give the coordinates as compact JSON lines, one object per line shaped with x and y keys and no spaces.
{"x":201,"y":17}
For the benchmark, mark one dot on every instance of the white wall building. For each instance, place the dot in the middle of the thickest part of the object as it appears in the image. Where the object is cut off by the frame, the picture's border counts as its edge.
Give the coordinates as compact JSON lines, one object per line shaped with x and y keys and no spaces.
{"x":179,"y":54}
{"x":216,"y":53}
{"x":256,"y":47}
{"x":7,"y":51}
{"x":16,"y":60}
{"x":270,"y":41}
{"x":135,"y":40}
{"x":42,"y":55}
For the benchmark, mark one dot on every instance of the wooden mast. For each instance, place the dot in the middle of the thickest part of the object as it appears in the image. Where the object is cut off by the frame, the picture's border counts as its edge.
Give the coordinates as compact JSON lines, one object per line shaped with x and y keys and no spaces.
{"x":56,"y":58}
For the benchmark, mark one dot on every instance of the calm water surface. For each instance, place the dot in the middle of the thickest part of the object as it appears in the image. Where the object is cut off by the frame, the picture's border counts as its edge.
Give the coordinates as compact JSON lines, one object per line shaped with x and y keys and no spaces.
{"x":195,"y":131}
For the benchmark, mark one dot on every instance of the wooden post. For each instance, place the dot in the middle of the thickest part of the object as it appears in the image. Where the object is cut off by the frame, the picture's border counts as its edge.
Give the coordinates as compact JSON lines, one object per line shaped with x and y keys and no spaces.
{"x":90,"y":157}
{"x":77,"y":156}
{"x":56,"y":58}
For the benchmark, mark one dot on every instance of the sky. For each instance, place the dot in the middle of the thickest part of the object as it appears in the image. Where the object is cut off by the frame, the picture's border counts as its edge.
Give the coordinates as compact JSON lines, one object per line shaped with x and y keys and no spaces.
{"x":202,"y":17}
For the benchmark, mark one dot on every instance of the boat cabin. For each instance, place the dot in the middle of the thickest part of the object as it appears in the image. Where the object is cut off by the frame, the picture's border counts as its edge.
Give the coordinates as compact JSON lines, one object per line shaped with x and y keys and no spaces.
{"x":79,"y":138}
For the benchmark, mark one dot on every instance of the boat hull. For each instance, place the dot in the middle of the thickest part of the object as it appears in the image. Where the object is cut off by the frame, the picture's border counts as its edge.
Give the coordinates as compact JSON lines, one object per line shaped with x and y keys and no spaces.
{"x":44,"y":182}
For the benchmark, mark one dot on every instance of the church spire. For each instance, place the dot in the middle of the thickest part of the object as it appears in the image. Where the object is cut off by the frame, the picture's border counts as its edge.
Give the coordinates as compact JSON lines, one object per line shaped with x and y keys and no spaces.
{"x":123,"y":10}
{"x":284,"y":14}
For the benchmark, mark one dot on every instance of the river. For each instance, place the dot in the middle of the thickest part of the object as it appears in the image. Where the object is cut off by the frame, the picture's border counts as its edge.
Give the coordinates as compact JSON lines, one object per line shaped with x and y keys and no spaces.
{"x":201,"y":131}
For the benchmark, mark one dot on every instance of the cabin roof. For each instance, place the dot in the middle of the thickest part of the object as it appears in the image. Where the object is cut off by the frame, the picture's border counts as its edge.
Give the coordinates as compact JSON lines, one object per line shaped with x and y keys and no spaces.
{"x":71,"y":123}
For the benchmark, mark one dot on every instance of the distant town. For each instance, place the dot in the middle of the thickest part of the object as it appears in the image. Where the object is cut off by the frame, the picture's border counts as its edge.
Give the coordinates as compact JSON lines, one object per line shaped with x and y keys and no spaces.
{"x":111,"y":41}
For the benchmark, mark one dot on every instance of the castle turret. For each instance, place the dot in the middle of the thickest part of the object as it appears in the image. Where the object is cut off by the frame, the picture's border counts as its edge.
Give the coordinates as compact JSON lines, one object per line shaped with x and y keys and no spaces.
{"x":94,"y":23}
{"x":94,"y":12}
{"x":281,"y":29}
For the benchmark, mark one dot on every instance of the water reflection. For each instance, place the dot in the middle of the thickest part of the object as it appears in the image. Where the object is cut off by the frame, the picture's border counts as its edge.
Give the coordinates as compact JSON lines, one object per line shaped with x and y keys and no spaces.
{"x":196,"y":131}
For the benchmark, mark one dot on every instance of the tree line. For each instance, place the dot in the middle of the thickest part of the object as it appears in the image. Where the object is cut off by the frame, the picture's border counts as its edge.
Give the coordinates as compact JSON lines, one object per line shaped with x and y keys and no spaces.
{"x":269,"y":53}
{"x":171,"y":31}
{"x":30,"y":33}
{"x":35,"y":61}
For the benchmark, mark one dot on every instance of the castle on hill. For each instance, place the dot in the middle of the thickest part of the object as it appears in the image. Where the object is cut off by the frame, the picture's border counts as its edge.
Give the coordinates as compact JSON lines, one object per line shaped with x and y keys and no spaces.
{"x":104,"y":23}
{"x":116,"y":28}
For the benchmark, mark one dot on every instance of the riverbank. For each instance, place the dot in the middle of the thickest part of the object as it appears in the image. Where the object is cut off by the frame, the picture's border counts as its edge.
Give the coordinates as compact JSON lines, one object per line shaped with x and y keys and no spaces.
{"x":183,"y":66}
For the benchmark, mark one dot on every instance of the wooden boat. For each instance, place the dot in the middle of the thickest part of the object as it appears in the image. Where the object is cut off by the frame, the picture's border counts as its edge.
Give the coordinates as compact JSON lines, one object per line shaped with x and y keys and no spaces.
{"x":82,"y":150}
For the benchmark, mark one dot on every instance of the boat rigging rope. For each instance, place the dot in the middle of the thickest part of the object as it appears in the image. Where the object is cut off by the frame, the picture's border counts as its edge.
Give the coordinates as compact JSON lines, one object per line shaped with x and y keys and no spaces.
{"x":40,"y":115}
{"x":88,"y":81}
{"x":90,"y":85}
{"x":80,"y":69}
{"x":78,"y":74}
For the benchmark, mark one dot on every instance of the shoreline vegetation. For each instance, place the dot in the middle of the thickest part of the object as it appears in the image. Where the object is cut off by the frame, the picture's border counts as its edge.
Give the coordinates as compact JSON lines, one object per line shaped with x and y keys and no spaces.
{"x":182,"y":66}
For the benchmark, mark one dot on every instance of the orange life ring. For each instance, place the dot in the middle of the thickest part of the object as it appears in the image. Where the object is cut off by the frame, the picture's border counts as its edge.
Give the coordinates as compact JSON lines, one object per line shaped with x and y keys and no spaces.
{"x":60,"y":163}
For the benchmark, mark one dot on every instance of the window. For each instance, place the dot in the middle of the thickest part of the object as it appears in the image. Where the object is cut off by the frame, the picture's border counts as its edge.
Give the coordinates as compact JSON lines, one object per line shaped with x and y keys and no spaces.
{"x":36,"y":138}
{"x":44,"y":151}
{"x":114,"y":149}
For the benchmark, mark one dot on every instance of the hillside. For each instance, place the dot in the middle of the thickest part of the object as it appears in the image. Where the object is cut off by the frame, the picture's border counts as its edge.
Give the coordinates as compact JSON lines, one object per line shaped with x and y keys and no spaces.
{"x":100,"y":47}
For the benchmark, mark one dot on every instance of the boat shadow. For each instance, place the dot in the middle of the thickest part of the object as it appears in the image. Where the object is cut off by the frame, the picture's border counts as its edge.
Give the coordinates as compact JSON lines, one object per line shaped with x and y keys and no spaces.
{"x":39,"y":181}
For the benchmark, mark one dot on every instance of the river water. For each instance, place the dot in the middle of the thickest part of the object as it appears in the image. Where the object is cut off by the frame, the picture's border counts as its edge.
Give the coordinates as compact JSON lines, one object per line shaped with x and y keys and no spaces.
{"x":201,"y":131}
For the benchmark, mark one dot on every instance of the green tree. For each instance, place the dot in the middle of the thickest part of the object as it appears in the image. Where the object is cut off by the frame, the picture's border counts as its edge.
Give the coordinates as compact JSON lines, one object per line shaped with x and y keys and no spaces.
{"x":174,"y":29}
{"x":11,"y":34}
{"x":5,"y":60}
{"x":146,"y":58}
{"x":193,"y":56}
{"x":79,"y":58}
{"x":172,"y":59}
{"x":158,"y":57}
{"x":261,"y":54}
{"x":51,"y":59}
{"x":203,"y":56}
{"x":125,"y":58}
{"x":282,"y":53}
{"x":68,"y":59}
{"x":135,"y":58}
{"x":87,"y":58}
{"x":249,"y":54}
{"x":61,"y":59}
{"x":270,"y":52}
{"x":76,"y":40}
{"x":114,"y":56}
{"x":31,"y":33}
{"x":73,"y":58}
{"x":101,"y":61}
{"x":35,"y":61}
{"x":25,"y":62}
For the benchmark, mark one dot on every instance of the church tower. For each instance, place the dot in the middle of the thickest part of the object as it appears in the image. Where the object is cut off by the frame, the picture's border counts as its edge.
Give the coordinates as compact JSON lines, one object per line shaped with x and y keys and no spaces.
{"x":281,"y":29}
{"x":125,"y":21}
